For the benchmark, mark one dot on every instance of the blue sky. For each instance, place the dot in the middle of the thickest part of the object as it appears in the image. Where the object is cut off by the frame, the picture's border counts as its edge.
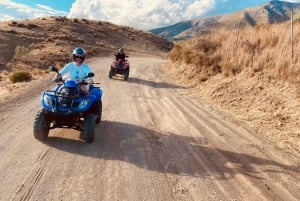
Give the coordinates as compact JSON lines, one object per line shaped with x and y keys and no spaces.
{"x":141,"y":14}
{"x":62,"y":5}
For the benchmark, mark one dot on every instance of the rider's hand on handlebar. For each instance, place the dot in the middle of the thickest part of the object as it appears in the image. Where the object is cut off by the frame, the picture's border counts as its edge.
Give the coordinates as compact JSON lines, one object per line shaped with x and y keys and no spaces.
{"x":58,"y":79}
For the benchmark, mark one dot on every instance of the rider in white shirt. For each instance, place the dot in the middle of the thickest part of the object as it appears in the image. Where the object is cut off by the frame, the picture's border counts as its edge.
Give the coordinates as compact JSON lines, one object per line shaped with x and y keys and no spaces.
{"x":77,"y":69}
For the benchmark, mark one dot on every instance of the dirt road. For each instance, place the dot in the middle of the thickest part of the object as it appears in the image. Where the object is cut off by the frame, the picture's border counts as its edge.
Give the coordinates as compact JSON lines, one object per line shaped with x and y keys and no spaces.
{"x":157,"y":141}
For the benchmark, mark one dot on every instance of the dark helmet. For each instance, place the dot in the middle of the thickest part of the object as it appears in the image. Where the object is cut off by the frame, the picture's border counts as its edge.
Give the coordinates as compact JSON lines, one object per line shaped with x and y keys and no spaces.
{"x":79,"y":52}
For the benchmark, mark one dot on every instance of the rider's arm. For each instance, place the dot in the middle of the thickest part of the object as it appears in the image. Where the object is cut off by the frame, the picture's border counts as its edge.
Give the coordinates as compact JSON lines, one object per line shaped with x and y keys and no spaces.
{"x":88,"y":70}
{"x":66,"y":71}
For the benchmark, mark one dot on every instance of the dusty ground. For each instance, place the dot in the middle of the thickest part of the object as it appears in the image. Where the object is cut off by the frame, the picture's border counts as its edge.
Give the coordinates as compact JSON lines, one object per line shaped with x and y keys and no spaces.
{"x":271,"y":106}
{"x":158,"y":140}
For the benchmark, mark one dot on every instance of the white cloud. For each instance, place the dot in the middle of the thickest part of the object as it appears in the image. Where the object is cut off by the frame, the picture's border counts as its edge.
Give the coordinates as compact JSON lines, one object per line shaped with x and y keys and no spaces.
{"x":10,"y":10}
{"x":142,"y":14}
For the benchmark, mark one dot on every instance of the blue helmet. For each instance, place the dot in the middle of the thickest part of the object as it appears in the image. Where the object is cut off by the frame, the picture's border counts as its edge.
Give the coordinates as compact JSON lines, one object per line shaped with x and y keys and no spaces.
{"x":79,"y":52}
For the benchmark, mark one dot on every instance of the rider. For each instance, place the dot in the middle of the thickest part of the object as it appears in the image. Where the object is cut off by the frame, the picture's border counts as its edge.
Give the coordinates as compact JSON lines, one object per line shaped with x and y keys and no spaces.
{"x":120,"y":54}
{"x":77,"y":69}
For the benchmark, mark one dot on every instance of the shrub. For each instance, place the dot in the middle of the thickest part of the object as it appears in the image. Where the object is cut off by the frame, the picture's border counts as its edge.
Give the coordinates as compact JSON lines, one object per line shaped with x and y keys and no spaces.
{"x":12,"y":31}
{"x":13,"y":23}
{"x":20,"y":76}
{"x":22,"y":25}
{"x":176,"y":53}
{"x":75,"y":20}
{"x":188,"y":56}
{"x":32,"y":26}
{"x":86,"y":21}
{"x":203,"y":78}
{"x":205,"y":45}
{"x":20,"y":51}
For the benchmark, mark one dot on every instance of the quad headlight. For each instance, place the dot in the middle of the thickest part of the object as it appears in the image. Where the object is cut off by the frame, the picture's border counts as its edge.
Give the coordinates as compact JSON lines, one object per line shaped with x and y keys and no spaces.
{"x":83,"y":104}
{"x":47,"y":101}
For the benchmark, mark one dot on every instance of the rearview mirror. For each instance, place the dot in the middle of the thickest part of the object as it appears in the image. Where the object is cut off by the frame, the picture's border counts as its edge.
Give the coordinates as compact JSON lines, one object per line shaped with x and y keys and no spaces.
{"x":90,"y":74}
{"x":53,"y":68}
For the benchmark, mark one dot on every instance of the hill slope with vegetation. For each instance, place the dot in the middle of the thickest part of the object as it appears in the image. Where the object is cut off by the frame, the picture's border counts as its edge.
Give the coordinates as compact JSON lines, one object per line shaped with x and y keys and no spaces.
{"x":252,"y":72}
{"x":36,"y":44}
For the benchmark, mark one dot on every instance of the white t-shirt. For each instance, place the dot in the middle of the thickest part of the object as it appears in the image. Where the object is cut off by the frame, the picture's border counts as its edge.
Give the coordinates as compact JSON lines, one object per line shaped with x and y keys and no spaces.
{"x":74,"y":72}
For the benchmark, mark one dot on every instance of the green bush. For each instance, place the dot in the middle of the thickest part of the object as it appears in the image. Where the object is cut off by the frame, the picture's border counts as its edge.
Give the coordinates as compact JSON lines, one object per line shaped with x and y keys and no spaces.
{"x":20,"y":76}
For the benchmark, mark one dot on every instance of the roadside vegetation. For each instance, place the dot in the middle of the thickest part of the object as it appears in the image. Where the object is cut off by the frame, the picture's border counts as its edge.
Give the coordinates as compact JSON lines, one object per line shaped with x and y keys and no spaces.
{"x":20,"y":76}
{"x":264,"y":49}
{"x":253,"y":73}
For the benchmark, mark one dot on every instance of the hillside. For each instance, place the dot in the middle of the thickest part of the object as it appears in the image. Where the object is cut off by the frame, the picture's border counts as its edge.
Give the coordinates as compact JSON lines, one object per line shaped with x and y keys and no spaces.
{"x":271,"y":12}
{"x":38,"y":43}
{"x":251,"y":73}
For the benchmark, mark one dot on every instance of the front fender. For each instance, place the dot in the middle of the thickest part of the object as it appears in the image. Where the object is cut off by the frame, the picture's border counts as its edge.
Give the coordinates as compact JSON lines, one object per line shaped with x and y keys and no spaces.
{"x":84,"y":103}
{"x":96,"y":92}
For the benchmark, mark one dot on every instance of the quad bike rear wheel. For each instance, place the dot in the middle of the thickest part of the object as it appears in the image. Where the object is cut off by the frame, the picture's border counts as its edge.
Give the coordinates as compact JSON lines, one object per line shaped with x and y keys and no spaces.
{"x":99,"y":112}
{"x":41,"y":126}
{"x":126,"y":74}
{"x":111,"y":73}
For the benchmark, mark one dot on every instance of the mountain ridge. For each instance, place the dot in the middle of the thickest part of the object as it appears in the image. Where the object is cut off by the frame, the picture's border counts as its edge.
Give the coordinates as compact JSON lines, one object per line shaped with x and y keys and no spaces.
{"x":270,"y":12}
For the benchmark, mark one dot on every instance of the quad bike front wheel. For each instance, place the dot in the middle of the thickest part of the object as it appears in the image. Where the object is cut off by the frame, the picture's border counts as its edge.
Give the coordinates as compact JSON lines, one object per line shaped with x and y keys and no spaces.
{"x":41,"y":126}
{"x":89,"y":127}
{"x":126,"y":74}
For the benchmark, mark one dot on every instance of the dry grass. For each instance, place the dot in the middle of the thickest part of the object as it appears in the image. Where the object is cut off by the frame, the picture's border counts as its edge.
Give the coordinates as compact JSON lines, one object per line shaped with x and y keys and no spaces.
{"x":20,"y":76}
{"x":265,"y":49}
{"x":251,"y":73}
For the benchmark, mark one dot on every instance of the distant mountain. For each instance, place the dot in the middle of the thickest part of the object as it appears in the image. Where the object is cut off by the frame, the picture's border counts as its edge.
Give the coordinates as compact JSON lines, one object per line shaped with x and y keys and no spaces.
{"x":267,"y":13}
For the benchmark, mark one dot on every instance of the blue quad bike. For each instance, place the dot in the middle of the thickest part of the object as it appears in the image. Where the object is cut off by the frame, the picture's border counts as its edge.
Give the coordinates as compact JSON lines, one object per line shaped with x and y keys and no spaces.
{"x":66,"y":107}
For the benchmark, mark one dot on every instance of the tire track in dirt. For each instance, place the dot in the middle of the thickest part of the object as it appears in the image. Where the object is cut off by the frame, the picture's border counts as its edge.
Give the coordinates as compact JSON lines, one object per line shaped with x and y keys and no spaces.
{"x":32,"y":179}
{"x":227,"y":165}
{"x":239,"y":163}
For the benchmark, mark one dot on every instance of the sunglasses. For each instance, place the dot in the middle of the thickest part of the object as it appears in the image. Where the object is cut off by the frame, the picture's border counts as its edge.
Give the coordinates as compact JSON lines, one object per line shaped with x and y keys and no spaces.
{"x":78,"y":57}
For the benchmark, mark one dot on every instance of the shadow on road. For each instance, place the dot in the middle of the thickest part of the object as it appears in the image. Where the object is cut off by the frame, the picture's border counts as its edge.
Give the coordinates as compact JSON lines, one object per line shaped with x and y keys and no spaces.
{"x":168,"y":153}
{"x":149,"y":83}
